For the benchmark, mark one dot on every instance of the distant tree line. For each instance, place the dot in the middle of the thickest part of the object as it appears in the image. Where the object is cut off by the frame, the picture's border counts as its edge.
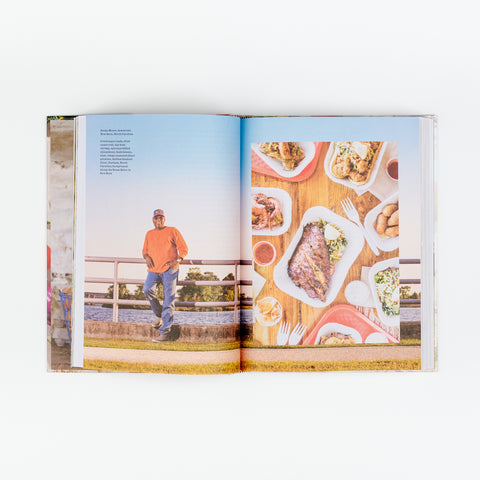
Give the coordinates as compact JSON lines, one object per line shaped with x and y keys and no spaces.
{"x":187,"y":293}
{"x":405,"y":292}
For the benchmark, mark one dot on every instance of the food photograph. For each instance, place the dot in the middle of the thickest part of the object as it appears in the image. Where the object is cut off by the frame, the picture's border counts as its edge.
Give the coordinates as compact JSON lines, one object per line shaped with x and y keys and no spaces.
{"x":286,"y":159}
{"x":325,"y":244}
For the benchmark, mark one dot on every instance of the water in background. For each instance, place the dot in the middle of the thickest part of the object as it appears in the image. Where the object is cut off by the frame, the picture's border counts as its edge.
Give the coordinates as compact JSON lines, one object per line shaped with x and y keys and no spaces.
{"x":410,"y":314}
{"x":97,"y":312}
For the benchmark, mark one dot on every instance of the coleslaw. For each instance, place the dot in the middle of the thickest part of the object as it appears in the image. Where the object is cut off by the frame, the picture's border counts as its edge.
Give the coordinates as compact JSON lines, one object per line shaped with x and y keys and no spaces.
{"x":388,"y":290}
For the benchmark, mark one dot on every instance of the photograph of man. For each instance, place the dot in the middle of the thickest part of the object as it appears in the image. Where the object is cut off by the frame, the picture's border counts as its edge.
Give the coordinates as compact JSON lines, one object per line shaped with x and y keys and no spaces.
{"x":163,"y":250}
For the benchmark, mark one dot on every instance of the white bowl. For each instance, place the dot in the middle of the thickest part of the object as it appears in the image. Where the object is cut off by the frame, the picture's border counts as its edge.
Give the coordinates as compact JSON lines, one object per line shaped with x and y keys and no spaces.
{"x":357,"y":292}
{"x":274,"y":254}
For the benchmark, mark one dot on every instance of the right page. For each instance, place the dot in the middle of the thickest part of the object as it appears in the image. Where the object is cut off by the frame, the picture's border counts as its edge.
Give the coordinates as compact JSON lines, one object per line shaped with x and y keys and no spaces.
{"x":331,"y":224}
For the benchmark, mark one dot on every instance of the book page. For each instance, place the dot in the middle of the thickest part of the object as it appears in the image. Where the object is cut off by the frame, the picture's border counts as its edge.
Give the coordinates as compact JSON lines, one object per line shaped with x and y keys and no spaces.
{"x":60,"y":167}
{"x":157,"y":247}
{"x":332,"y":230}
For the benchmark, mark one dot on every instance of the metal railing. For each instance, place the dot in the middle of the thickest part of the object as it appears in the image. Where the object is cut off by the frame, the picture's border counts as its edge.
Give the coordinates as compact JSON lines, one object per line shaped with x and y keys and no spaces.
{"x":116,"y":280}
{"x":416,"y":302}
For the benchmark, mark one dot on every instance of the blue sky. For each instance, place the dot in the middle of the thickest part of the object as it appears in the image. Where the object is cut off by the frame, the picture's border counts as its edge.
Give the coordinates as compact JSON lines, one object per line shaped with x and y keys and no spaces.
{"x":404,"y":130}
{"x":187,"y":165}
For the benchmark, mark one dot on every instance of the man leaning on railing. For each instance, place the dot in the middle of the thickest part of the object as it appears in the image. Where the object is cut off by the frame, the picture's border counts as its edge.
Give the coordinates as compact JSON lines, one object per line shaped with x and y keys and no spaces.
{"x":163,"y":250}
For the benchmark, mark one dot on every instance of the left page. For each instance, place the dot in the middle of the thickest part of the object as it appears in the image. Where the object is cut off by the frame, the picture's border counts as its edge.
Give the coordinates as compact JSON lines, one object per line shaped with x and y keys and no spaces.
{"x":156,"y":244}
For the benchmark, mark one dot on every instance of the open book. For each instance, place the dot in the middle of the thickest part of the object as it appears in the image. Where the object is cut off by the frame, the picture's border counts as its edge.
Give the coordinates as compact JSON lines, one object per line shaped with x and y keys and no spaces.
{"x":219,"y":244}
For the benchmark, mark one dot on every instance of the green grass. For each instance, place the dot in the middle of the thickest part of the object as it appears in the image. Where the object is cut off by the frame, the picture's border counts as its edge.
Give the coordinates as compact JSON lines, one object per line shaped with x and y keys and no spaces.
{"x":222,"y":368}
{"x":207,"y":369}
{"x":411,"y":342}
{"x":215,"y":346}
{"x":171,"y":346}
{"x":295,"y":366}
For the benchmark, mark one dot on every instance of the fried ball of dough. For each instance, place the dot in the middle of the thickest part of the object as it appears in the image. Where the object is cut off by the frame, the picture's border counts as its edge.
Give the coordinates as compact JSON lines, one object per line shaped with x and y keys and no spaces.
{"x":381,"y":224}
{"x":392,"y":232}
{"x":389,"y":209}
{"x":393,"y":220}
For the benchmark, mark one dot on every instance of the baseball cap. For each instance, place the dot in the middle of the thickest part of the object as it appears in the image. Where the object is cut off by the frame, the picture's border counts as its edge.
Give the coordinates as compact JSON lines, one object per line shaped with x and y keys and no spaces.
{"x":158,"y":211}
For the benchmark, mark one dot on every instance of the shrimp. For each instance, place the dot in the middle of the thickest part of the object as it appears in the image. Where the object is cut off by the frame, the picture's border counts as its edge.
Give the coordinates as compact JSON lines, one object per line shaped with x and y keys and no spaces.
{"x":260,"y":218}
{"x":266,"y":212}
{"x":275,"y":205}
{"x":260,"y":200}
{"x":357,"y":177}
{"x":259,"y":211}
{"x":341,"y":169}
{"x":362,"y":166}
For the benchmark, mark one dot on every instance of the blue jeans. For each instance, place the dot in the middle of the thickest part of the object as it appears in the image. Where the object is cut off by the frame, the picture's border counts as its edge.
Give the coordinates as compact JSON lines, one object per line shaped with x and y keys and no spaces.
{"x":169,"y":281}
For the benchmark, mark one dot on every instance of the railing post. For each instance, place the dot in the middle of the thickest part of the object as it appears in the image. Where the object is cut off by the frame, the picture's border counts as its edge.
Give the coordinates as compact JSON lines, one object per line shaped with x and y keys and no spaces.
{"x":235,"y":295}
{"x":115,"y":291}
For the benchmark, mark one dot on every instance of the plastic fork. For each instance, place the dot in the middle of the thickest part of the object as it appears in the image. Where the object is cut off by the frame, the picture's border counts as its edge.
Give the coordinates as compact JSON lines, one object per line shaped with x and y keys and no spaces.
{"x":297,"y":334}
{"x":283,"y":333}
{"x":352,"y":214}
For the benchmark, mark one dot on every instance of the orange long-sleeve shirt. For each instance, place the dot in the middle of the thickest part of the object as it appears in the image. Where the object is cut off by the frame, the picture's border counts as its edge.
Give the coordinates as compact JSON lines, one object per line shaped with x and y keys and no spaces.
{"x":164,"y":246}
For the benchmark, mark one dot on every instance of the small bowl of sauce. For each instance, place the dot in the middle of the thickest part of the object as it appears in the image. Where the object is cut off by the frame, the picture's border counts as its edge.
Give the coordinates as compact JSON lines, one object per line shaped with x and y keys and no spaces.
{"x":392,"y":168}
{"x":264,"y":253}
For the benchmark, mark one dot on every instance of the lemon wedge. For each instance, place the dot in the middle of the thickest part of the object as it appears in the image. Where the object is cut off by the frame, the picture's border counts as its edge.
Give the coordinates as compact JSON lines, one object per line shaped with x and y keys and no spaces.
{"x":331,"y":233}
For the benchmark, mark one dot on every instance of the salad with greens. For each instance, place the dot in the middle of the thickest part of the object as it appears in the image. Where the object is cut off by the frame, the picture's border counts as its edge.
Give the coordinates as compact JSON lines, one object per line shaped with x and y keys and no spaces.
{"x":388,"y":289}
{"x":334,"y":238}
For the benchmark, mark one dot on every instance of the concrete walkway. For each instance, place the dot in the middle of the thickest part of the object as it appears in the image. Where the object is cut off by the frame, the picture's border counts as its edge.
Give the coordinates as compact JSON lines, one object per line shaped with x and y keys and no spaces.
{"x":331,"y":354}
{"x":162,"y":357}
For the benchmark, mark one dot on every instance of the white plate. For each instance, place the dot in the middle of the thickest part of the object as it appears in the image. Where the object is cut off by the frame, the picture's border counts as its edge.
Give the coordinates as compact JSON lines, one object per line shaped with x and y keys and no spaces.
{"x":285,"y":201}
{"x":329,"y":328}
{"x":383,"y":243}
{"x":355,"y":242}
{"x":258,"y":317}
{"x":376,"y":337}
{"x":307,"y":147}
{"x":391,"y":320}
{"x":348,"y":183}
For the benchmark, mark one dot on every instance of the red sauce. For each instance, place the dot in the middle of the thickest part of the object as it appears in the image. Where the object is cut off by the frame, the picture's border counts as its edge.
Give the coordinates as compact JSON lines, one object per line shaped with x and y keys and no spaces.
{"x":392,"y":168}
{"x":263,"y":253}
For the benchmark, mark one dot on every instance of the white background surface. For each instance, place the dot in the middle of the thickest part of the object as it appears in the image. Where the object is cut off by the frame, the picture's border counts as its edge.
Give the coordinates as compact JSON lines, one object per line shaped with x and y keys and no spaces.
{"x":251,"y":57}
